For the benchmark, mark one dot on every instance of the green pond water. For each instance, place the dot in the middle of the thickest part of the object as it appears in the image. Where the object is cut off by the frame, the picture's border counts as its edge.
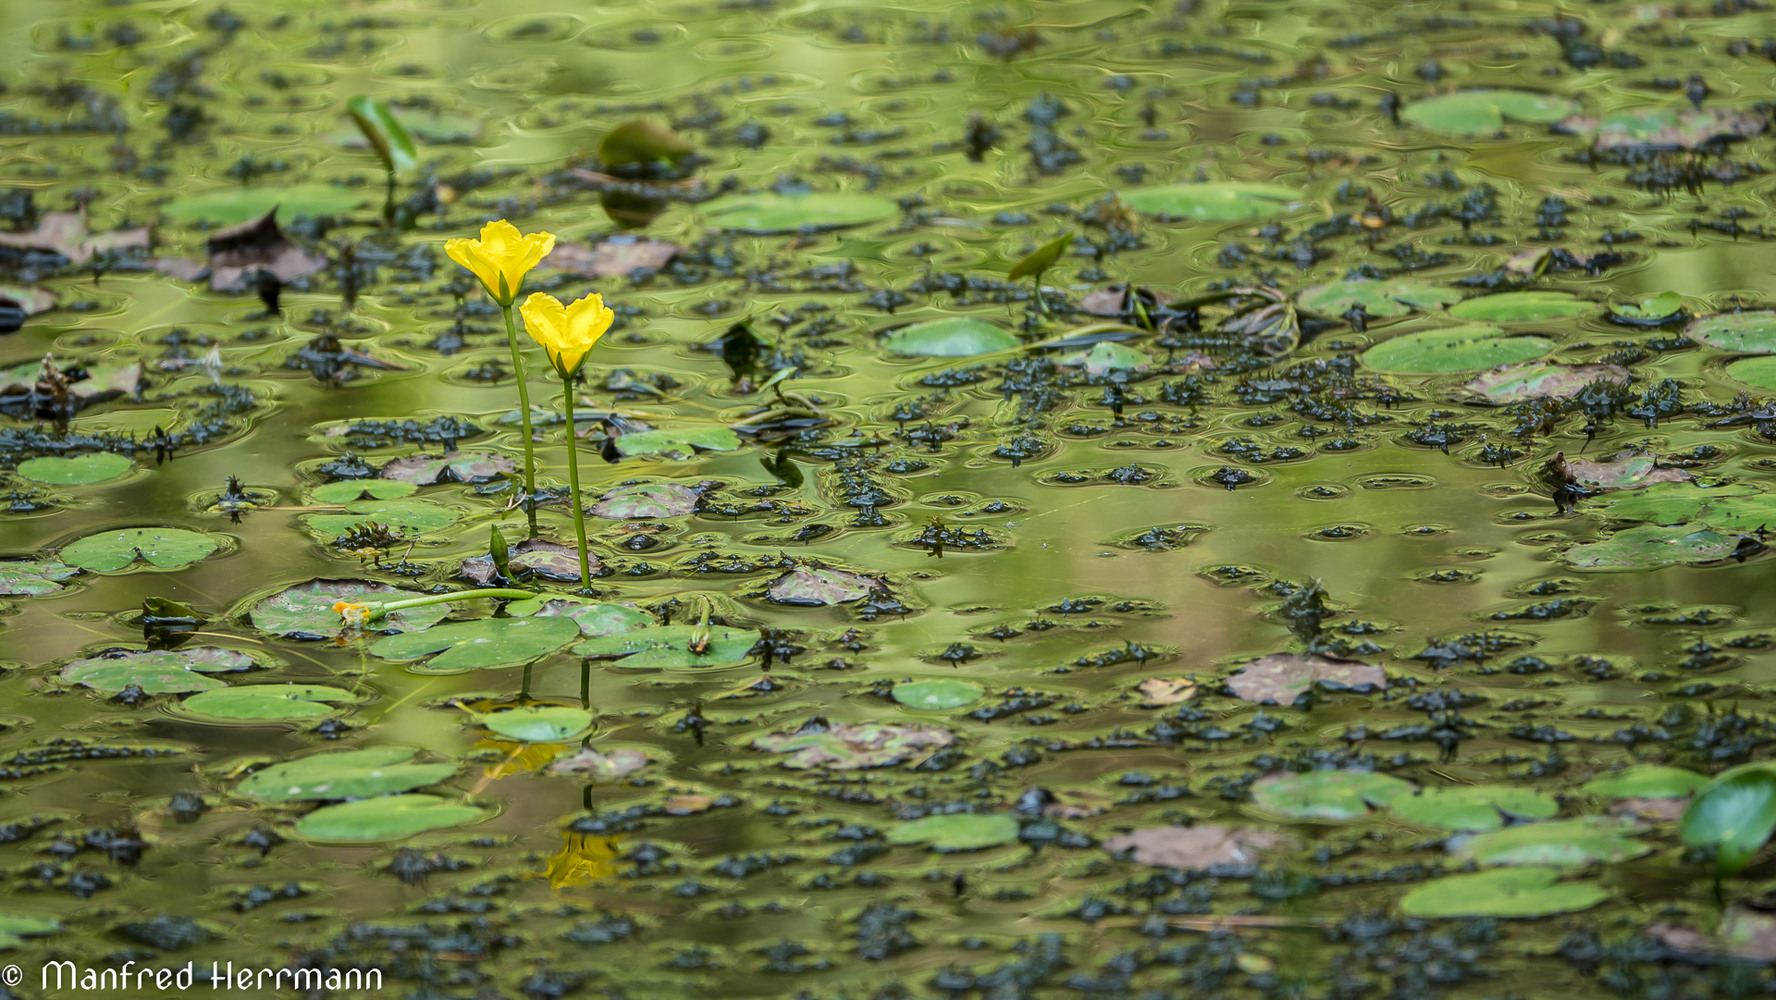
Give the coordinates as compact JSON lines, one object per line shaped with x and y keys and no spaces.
{"x":1085,"y":541}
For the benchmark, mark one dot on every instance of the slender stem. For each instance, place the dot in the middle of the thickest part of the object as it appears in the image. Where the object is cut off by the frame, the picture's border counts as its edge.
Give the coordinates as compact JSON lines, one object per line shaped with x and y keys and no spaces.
{"x":573,"y":481}
{"x":377,"y":611}
{"x":530,"y":483}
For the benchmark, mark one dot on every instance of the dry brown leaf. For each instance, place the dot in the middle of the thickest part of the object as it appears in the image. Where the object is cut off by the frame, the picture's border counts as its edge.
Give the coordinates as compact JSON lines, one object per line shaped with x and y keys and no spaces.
{"x":1197,"y":847}
{"x":1157,"y":691}
{"x":686,"y":805}
{"x":608,"y":766}
{"x":65,"y":233}
{"x":1280,"y":678}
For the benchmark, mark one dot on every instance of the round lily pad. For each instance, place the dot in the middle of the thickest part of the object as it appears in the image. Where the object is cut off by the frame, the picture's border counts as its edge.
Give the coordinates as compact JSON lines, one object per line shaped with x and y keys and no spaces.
{"x":156,"y":671}
{"x":952,"y":337}
{"x":1582,"y":841}
{"x":646,"y":500}
{"x":1744,"y":332}
{"x":489,"y":642}
{"x":1652,"y":546}
{"x":408,"y":515}
{"x":344,"y":774}
{"x":1474,"y":112}
{"x":1647,"y":781}
{"x":161,"y":548}
{"x":937,"y":694}
{"x":1456,"y":349}
{"x":1222,"y":201}
{"x":593,"y":619}
{"x":669,"y":647}
{"x":305,"y":611}
{"x":353,"y":490}
{"x":1327,"y":795}
{"x":1395,"y":297}
{"x":1521,"y":307}
{"x":1507,"y":892}
{"x":1759,"y":373}
{"x":266,"y":702}
{"x":452,"y":467}
{"x":232,"y":205}
{"x":1477,"y":807}
{"x":389,"y":818}
{"x":539,"y":723}
{"x":769,"y":213}
{"x":957,"y":831}
{"x":77,"y":470}
{"x":677,"y":444}
{"x":32,"y":577}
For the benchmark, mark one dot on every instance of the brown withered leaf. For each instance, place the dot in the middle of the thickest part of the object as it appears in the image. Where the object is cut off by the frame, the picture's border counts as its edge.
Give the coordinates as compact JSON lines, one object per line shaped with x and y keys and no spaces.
{"x":687,"y":805}
{"x":1198,"y":848}
{"x":1157,"y":691}
{"x":1627,"y":471}
{"x":619,"y":256}
{"x":1659,"y":810}
{"x":1280,"y":678}
{"x":65,"y":233}
{"x":842,"y":746}
{"x":1744,"y":934}
{"x":257,"y":245}
{"x":605,"y":766}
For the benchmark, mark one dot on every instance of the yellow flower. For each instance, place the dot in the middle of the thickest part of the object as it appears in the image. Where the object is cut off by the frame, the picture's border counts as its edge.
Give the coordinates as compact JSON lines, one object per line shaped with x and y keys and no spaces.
{"x":352,"y":613}
{"x":501,"y":257}
{"x":567,"y":332}
{"x":584,"y":859}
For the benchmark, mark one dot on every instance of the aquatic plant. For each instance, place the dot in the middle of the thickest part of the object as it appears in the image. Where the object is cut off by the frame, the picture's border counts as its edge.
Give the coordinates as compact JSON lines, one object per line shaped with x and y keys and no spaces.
{"x":568,"y":333}
{"x":389,"y":138}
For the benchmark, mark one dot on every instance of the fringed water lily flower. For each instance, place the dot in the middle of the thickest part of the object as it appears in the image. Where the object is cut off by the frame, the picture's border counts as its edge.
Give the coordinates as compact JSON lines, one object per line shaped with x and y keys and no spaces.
{"x":501,"y":257}
{"x":568,"y":333}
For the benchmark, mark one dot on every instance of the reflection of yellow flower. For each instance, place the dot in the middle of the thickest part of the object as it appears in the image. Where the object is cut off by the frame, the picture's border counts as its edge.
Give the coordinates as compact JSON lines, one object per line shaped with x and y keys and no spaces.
{"x":501,"y":257}
{"x":584,"y":859}
{"x":568,"y":333}
{"x":519,"y":757}
{"x":352,"y":613}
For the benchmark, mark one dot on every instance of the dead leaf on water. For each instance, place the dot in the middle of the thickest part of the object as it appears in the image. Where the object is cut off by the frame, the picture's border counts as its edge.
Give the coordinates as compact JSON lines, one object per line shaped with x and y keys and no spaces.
{"x":1280,"y":678}
{"x":1157,"y":691}
{"x":65,"y":233}
{"x":1197,"y":848}
{"x":603,"y":766}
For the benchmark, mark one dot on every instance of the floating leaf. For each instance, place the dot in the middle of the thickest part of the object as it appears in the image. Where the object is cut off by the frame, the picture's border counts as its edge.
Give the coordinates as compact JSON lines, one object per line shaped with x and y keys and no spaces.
{"x":1157,"y":691}
{"x":157,"y":671}
{"x":1223,"y":201}
{"x":1759,"y":373}
{"x":344,"y":774}
{"x":531,"y":557}
{"x":806,"y":586}
{"x":351,"y":490}
{"x":941,"y":693}
{"x":305,"y":611}
{"x":602,"y":766}
{"x":162,"y":548}
{"x":1652,"y":310}
{"x":385,"y":133}
{"x":392,"y":818}
{"x":539,"y":723}
{"x":450,"y":467}
{"x":29,"y":299}
{"x":1627,"y":471}
{"x":1652,"y":546}
{"x":1666,"y":129}
{"x":32,"y":577}
{"x":1540,"y":379}
{"x":1734,"y":505}
{"x":1281,"y":678}
{"x":267,"y":702}
{"x":1395,"y":297}
{"x":236,"y":204}
{"x":1473,"y":112}
{"x":676,"y":444}
{"x":1583,"y":841}
{"x":1040,"y":259}
{"x":1198,"y":848}
{"x":1474,"y":807}
{"x":487,"y":642}
{"x":411,"y":515}
{"x":646,"y":501}
{"x":65,"y":233}
{"x":15,"y":927}
{"x":1735,"y":813}
{"x":1523,"y":893}
{"x":668,"y":647}
{"x":845,"y":747}
{"x":954,"y":337}
{"x":593,"y":619}
{"x":1326,"y":795}
{"x":765,"y":214}
{"x":1647,"y":781}
{"x":1456,"y":349}
{"x":1743,"y":934}
{"x":1107,"y":357}
{"x":239,"y":253}
{"x":1741,"y":332}
{"x":1521,"y":307}
{"x":957,"y":831}
{"x":92,"y":467}
{"x":642,"y":141}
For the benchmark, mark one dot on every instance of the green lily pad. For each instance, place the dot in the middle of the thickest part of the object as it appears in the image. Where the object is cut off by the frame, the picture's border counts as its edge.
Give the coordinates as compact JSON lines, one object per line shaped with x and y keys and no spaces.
{"x":1396,"y":297}
{"x":1583,"y":841}
{"x":352,"y":490}
{"x":1742,"y":332}
{"x":393,"y":817}
{"x":1653,"y":546}
{"x":937,"y":694}
{"x":1667,"y":129}
{"x":1733,"y":505}
{"x":593,"y":619}
{"x":161,"y":548}
{"x":957,"y":831}
{"x":414,"y":516}
{"x":953,"y":337}
{"x":344,"y":774}
{"x":267,"y":702}
{"x":1521,"y":307}
{"x":769,"y":213}
{"x":1475,"y":807}
{"x":93,"y":467}
{"x":1327,"y":795}
{"x":677,"y":445}
{"x":33,"y":577}
{"x":1735,"y":813}
{"x":157,"y":671}
{"x":539,"y":723}
{"x":1651,"y":309}
{"x":488,"y":642}
{"x":810,"y":587}
{"x":1223,"y":201}
{"x":1456,"y":349}
{"x":1647,"y":781}
{"x":1475,"y":112}
{"x":452,"y":467}
{"x":231,"y":205}
{"x":646,"y":501}
{"x":1523,"y":893}
{"x":15,"y":927}
{"x":1106,"y":357}
{"x":668,"y":647}
{"x":305,"y":611}
{"x":1539,"y":380}
{"x":1759,"y":373}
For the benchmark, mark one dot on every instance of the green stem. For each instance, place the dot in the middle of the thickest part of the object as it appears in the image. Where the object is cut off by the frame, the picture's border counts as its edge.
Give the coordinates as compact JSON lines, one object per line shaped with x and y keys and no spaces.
{"x":530,"y":484}
{"x":378,"y":611}
{"x":573,"y":481}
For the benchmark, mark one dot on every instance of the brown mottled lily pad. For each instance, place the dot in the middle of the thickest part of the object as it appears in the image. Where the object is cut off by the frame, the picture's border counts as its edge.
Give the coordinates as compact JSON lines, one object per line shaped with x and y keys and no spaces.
{"x":842,"y":746}
{"x":1744,"y":934}
{"x":1666,"y":129}
{"x":1533,"y":379}
{"x":1280,"y":678}
{"x":257,"y":245}
{"x":604,"y":766}
{"x":811,"y":587}
{"x":649,"y":500}
{"x":305,"y":611}
{"x":33,"y":577}
{"x":65,"y":233}
{"x":1627,"y":471}
{"x":451,"y":467}
{"x":534,"y":557}
{"x":1198,"y":848}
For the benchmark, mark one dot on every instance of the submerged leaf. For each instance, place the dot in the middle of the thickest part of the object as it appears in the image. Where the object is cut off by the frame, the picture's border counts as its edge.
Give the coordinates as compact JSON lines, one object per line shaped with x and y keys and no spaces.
{"x":842,"y":746}
{"x":1223,"y":201}
{"x":769,"y":213}
{"x":599,"y":765}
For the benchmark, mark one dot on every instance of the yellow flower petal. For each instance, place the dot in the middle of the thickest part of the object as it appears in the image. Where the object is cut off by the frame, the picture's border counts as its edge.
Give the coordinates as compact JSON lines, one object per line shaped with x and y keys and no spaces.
{"x":567,"y":333}
{"x":501,"y":252}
